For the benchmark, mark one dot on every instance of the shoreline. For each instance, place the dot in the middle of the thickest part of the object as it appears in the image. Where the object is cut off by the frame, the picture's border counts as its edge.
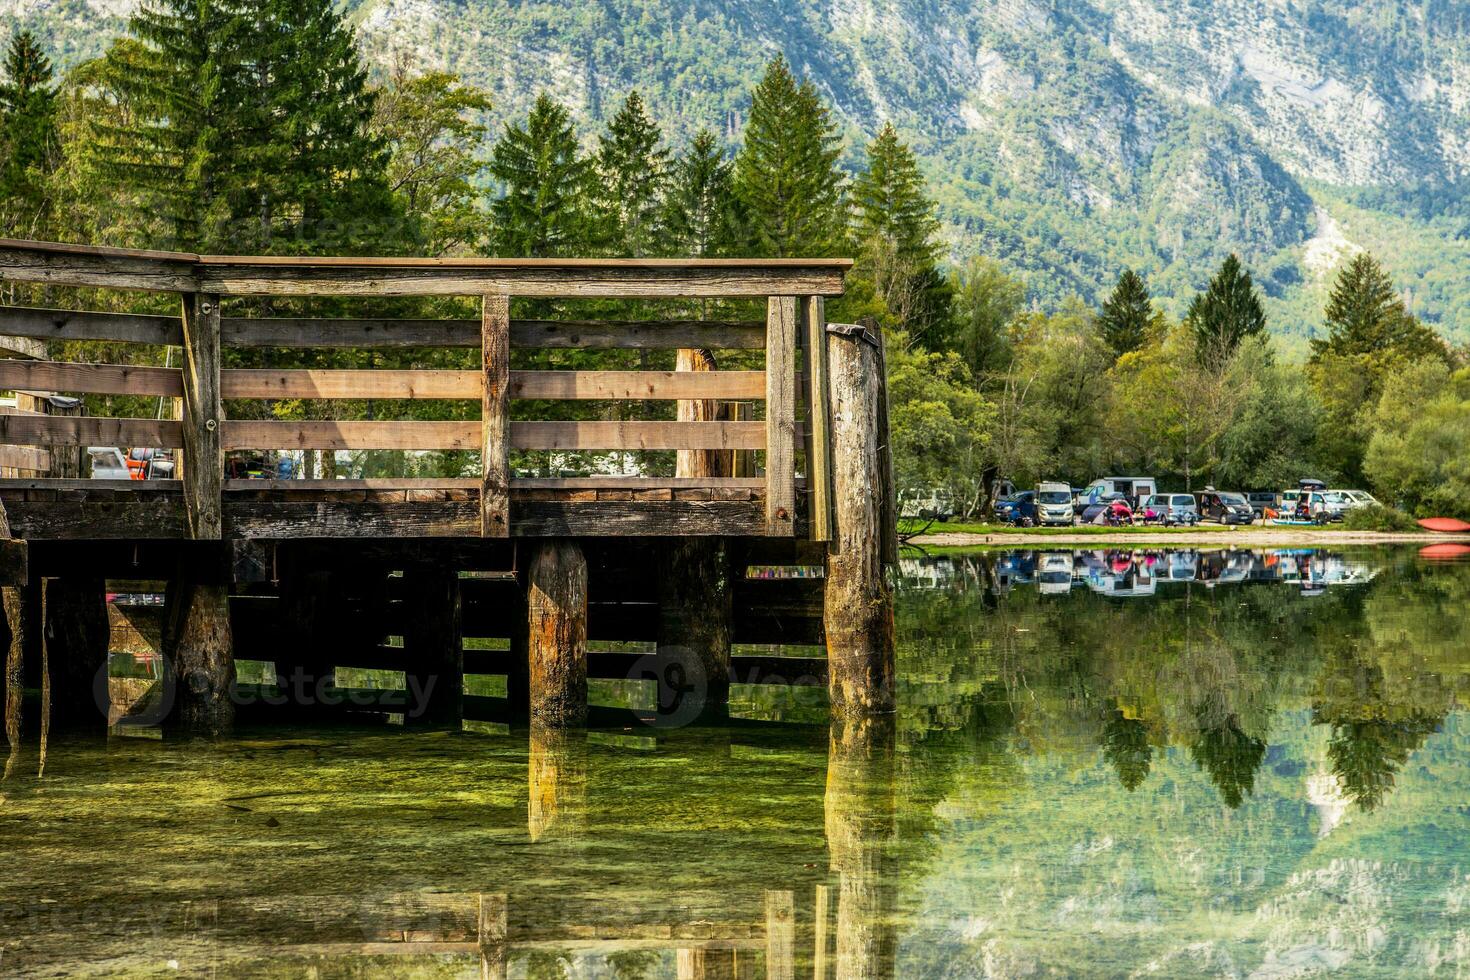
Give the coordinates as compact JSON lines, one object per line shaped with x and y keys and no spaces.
{"x":1244,"y":537}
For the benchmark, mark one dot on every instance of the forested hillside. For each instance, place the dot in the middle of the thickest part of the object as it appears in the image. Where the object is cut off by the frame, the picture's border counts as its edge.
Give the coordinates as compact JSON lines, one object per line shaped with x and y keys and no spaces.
{"x":1066,"y":139}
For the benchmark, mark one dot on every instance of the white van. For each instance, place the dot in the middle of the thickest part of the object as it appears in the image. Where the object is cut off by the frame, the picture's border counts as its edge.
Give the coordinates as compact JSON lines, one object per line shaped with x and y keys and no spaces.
{"x":1135,"y":488}
{"x":1054,"y":504}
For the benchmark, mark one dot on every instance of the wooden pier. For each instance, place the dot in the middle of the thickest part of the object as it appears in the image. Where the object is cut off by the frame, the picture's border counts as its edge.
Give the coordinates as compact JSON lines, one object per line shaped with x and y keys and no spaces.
{"x":785,"y":465}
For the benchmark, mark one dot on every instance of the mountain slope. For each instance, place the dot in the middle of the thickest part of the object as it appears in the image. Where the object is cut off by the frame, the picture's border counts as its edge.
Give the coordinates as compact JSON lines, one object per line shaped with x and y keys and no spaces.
{"x":1067,"y":137}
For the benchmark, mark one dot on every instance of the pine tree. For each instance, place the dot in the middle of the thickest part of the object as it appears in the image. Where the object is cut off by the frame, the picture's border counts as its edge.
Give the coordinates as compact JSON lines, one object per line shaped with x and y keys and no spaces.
{"x":1127,"y":317}
{"x":28,"y":141}
{"x":632,"y":172}
{"x":896,"y":231}
{"x":1366,"y":316}
{"x":786,"y":173}
{"x":542,"y":211}
{"x":701,"y":212}
{"x":1226,"y":313}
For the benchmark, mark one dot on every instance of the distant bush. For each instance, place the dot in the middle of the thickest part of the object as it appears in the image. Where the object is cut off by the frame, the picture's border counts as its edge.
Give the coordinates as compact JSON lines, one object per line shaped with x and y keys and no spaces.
{"x":1378,"y":518}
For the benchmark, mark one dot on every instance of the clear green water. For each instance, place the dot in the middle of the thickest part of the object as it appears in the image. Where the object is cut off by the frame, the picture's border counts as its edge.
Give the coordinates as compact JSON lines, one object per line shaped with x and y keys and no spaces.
{"x":1194,"y":774}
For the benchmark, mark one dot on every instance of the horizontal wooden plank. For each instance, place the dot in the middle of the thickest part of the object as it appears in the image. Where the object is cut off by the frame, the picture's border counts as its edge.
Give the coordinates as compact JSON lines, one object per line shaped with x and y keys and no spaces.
{"x":46,"y":483}
{"x":71,"y":325}
{"x":391,"y":333}
{"x":350,"y":435}
{"x":637,"y":435}
{"x":270,"y":383}
{"x":537,"y":518}
{"x":374,"y":484}
{"x":81,"y":265}
{"x":27,"y":347}
{"x":66,"y":430}
{"x":637,"y":384}
{"x":635,"y":482}
{"x":25,"y":458}
{"x":97,"y":379}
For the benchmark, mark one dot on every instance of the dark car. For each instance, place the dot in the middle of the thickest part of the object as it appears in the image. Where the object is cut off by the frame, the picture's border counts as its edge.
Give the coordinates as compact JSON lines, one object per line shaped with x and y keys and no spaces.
{"x":1106,"y":501}
{"x":1225,"y":508}
{"x":1010,"y":509}
{"x":1260,"y":500}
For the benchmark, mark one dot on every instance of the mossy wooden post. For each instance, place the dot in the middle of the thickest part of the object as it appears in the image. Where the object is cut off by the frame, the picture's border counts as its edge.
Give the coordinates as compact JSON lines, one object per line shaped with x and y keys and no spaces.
{"x":781,"y":336}
{"x":78,"y":635}
{"x":557,"y":782}
{"x":433,"y":641}
{"x":494,"y":928}
{"x":15,"y":598}
{"x":199,"y":646}
{"x":204,"y":460}
{"x":861,"y":827}
{"x":495,"y":418}
{"x":694,"y":588}
{"x":780,"y":935}
{"x":556,"y":614}
{"x":858,"y":605}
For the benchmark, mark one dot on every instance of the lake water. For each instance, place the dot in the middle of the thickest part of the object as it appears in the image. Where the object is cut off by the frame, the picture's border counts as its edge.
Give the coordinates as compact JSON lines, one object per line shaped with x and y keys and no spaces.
{"x":1162,"y":763}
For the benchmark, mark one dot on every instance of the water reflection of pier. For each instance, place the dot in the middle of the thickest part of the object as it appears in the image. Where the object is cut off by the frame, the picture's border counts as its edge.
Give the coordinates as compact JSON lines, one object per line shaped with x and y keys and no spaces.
{"x":1130,"y":573}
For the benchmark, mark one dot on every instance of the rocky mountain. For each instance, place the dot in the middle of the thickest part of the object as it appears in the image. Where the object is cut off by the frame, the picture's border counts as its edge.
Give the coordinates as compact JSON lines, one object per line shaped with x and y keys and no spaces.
{"x":1068,"y":137}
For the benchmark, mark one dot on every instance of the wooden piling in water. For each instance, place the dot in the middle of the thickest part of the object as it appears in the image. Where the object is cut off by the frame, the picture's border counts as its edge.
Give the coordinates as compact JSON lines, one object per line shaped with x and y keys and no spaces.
{"x":556,"y":783}
{"x":433,"y":641}
{"x":199,"y":648}
{"x":858,"y":603}
{"x":15,"y":599}
{"x":556,"y":615}
{"x":861,"y":812}
{"x":77,"y":636}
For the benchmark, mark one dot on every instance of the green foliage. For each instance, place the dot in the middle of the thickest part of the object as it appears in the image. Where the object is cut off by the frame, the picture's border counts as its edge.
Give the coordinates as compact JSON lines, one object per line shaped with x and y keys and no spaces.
{"x":28,"y":138}
{"x":701,"y":213}
{"x":546,"y":183}
{"x":1128,"y":315}
{"x":1226,"y":313}
{"x":786,"y":173}
{"x":987,"y":302}
{"x":632,"y":170}
{"x":1365,"y":316}
{"x":1379,"y":518}
{"x":1421,"y":428}
{"x":896,"y":233}
{"x":429,"y":124}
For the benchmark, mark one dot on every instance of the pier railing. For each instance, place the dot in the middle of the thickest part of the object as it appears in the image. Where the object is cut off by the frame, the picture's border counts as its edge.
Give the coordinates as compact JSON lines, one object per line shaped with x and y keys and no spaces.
{"x":795,"y":426}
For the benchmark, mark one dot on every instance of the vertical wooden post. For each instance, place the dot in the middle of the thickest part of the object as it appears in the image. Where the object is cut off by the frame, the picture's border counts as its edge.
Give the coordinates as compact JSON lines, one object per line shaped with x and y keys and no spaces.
{"x":494,"y":930}
{"x":780,"y":935}
{"x":694,"y":626}
{"x":858,"y":603}
{"x":204,"y":461}
{"x":15,"y":600}
{"x":823,"y":927}
{"x":818,"y":412}
{"x":495,"y":419}
{"x":781,"y":330}
{"x":557,"y":782}
{"x":861,"y":823}
{"x":433,"y":641}
{"x":199,"y":649}
{"x":556,"y":614}
{"x":699,"y":462}
{"x":704,"y":963}
{"x":78,"y":635}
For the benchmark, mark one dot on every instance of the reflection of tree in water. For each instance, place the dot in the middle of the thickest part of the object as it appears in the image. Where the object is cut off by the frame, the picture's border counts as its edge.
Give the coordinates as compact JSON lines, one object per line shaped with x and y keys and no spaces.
{"x":1229,"y":755}
{"x":547,"y":965}
{"x":1366,"y":755}
{"x":1125,"y":745}
{"x":633,"y":964}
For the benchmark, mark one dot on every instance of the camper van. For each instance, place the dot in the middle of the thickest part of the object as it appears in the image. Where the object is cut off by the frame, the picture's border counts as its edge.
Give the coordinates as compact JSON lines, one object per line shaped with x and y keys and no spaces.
{"x":1054,"y":504}
{"x":1135,"y":488}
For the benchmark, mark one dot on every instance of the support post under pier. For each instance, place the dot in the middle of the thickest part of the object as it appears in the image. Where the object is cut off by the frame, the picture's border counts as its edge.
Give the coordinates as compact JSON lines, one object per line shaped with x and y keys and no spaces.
{"x":433,"y":641}
{"x":556,"y":613}
{"x":199,"y":647}
{"x":858,"y":603}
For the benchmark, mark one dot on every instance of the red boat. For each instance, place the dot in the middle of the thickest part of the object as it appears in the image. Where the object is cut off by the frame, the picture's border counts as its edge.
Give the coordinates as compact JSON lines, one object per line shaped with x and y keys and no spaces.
{"x":1449,"y":525}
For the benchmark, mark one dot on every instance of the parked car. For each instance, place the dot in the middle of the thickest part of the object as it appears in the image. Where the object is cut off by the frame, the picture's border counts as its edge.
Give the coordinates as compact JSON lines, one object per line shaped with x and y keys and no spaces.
{"x":1170,"y":509}
{"x":1017,"y":507}
{"x":1224,"y":508}
{"x":1261,"y":500}
{"x":1094,"y":510}
{"x":1055,"y":575}
{"x":926,"y":504}
{"x":1054,"y":504}
{"x":1322,"y":506}
{"x":1359,"y":498}
{"x":1135,"y":488}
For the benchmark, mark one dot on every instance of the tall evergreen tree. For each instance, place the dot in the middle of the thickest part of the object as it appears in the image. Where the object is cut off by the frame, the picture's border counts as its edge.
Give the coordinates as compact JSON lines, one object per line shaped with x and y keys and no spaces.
{"x":896,"y":232}
{"x":632,"y":172}
{"x":1226,"y":313}
{"x":543,"y":209}
{"x":1127,"y":315}
{"x":1365,"y":315}
{"x":250,"y":127}
{"x":701,"y":212}
{"x":786,"y":173}
{"x":28,"y":142}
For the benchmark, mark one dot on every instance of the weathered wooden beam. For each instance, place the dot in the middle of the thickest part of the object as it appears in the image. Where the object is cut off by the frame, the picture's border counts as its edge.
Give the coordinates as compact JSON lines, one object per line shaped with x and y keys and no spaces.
{"x":203,"y":465}
{"x":82,"y":265}
{"x":818,"y":427}
{"x":638,"y":435}
{"x":467,"y":435}
{"x":780,"y":436}
{"x":25,"y":458}
{"x":495,"y":423}
{"x":240,"y":434}
{"x":199,"y":648}
{"x":71,"y":325}
{"x":556,"y":607}
{"x":89,"y":431}
{"x":100,"y":379}
{"x":637,"y":384}
{"x":858,"y":611}
{"x":646,"y":334}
